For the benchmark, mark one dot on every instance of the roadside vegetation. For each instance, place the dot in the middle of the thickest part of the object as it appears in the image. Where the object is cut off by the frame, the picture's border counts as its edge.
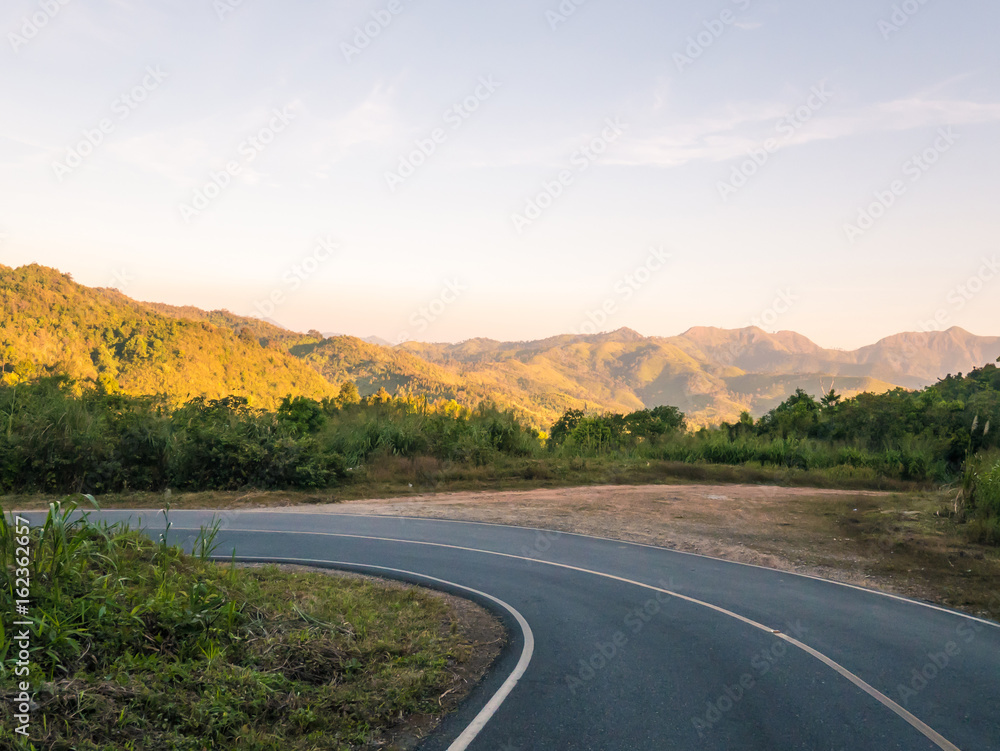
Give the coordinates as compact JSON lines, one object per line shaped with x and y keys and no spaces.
{"x":60,"y":436}
{"x":136,"y":645}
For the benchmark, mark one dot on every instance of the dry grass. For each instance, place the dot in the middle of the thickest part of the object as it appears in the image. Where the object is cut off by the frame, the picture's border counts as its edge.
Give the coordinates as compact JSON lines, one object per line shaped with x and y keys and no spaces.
{"x":897,"y":542}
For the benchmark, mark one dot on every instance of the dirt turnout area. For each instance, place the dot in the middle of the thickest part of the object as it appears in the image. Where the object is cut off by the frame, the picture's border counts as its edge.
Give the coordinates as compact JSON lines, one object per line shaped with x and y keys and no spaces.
{"x":902,"y":542}
{"x":894,"y":542}
{"x":750,"y":524}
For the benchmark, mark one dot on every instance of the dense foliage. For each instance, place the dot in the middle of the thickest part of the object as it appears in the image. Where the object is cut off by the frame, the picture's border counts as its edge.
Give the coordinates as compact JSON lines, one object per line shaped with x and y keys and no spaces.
{"x":54,"y":439}
{"x":577,"y":432}
{"x":949,"y":419}
{"x":922,"y":435}
{"x":58,"y":437}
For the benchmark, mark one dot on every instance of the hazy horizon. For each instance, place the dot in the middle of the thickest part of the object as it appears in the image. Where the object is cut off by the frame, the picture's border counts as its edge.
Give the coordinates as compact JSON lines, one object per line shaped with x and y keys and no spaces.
{"x":516,"y":171}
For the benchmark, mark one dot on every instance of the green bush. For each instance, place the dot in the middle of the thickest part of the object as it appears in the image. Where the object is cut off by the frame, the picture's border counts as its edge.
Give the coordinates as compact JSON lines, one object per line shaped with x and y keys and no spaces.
{"x":226,"y":445}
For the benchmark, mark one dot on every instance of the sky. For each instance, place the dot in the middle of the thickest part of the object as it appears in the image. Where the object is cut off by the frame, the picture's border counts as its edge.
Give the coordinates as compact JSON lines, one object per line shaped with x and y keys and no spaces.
{"x":441,"y":170}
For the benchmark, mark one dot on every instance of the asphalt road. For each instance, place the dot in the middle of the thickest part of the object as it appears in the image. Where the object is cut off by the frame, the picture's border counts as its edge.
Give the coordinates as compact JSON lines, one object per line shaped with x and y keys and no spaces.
{"x":621,"y":646}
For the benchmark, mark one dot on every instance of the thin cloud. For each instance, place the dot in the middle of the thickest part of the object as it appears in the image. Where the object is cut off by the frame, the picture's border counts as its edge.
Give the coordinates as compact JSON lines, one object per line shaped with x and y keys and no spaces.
{"x":184,"y":153}
{"x":375,"y":120}
{"x":728,"y":135}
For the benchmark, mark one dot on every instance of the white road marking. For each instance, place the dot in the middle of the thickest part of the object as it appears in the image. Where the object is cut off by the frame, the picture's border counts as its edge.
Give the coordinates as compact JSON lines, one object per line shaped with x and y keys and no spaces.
{"x":880,"y":593}
{"x":486,"y":713}
{"x":915,"y":722}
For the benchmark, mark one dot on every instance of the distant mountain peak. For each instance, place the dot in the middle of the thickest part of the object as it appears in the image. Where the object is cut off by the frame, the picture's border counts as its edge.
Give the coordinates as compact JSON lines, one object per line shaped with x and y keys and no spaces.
{"x":624,"y":334}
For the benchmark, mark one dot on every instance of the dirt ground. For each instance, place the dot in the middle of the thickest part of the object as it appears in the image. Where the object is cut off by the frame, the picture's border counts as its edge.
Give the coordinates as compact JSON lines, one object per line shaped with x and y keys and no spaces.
{"x":900,"y":543}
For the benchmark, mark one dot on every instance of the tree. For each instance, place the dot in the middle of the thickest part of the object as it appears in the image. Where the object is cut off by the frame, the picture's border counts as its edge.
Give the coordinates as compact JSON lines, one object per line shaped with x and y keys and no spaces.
{"x":592,"y":434}
{"x":830,"y":400}
{"x":671,"y":418}
{"x":303,"y":415}
{"x":564,"y":426}
{"x":794,"y":417}
{"x":744,"y":427}
{"x":379,"y":397}
{"x":348,"y":395}
{"x":107,"y":384}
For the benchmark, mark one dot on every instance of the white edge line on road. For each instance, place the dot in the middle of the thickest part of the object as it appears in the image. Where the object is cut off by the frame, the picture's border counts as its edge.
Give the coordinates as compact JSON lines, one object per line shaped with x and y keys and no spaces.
{"x":914,"y":721}
{"x":290,"y":510}
{"x":486,"y":713}
{"x":890,"y":595}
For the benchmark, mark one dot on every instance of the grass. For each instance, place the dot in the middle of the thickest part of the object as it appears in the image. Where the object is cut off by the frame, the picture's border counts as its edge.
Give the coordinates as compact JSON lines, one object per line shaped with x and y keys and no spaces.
{"x":138,"y":646}
{"x":389,"y":476}
{"x":909,"y":541}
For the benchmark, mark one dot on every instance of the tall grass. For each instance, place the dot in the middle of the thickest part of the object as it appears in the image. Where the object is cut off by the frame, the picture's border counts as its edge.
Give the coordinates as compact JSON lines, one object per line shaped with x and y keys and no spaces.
{"x":136,"y":645}
{"x":79,"y":573}
{"x":979,"y":497}
{"x":913,"y":463}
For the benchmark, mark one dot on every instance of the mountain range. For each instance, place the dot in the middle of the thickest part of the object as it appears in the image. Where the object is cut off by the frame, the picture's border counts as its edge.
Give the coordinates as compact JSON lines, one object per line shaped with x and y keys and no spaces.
{"x":51,"y":324}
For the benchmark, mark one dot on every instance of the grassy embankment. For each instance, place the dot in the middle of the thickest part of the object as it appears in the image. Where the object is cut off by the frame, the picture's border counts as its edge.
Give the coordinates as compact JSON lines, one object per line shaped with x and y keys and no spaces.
{"x":136,"y":645}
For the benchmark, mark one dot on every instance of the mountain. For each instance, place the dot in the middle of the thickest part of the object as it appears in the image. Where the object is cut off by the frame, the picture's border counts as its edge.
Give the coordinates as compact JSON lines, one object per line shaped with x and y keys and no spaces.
{"x":711,"y":374}
{"x":264,"y":331}
{"x":51,"y":324}
{"x":917,"y":359}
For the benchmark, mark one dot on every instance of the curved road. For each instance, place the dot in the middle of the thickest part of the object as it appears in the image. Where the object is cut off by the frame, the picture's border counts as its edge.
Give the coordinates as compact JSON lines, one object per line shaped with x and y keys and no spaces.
{"x":623,"y":646}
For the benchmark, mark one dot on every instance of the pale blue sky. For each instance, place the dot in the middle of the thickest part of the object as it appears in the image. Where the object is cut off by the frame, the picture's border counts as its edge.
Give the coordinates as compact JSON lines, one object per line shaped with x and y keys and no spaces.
{"x":688,"y":124}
